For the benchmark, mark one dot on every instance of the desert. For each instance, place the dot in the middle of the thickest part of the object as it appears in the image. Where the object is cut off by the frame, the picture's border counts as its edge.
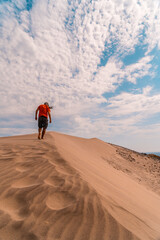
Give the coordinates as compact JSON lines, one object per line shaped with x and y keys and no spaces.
{"x":71,"y":188}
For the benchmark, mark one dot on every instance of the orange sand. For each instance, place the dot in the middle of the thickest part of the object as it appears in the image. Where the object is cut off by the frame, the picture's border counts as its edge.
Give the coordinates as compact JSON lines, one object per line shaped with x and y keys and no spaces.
{"x":70,"y":188}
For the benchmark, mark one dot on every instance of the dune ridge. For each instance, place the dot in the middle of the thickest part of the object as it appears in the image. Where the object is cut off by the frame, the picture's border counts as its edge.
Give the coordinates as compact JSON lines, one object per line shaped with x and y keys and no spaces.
{"x":70,"y":188}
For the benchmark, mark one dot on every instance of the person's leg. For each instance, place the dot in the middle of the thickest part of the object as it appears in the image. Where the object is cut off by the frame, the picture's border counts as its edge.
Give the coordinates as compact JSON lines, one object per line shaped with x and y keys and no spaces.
{"x":39,"y":127}
{"x":39,"y":133}
{"x":45,"y":125}
{"x":43,"y":132}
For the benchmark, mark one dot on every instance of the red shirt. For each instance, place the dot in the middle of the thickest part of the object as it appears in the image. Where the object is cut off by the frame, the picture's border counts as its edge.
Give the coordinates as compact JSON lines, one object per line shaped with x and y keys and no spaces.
{"x":43,"y":110}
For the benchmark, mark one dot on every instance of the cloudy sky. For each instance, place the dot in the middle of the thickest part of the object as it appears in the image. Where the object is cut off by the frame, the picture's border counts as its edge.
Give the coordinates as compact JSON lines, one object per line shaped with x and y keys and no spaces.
{"x":95,"y":61}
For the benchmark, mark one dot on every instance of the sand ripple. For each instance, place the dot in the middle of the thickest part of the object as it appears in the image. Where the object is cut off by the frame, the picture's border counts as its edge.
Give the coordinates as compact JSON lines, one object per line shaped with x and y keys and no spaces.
{"x":44,"y":198}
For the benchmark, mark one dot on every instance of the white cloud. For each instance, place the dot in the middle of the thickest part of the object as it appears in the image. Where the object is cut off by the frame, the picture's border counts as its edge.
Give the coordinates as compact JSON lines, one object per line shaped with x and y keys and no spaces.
{"x":128,"y":103}
{"x":147,"y":90}
{"x":16,"y":131}
{"x":139,"y":70}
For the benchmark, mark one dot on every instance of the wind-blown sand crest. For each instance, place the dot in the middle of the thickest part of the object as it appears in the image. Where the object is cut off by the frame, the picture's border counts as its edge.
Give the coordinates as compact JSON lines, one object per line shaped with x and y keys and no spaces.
{"x":68,"y":188}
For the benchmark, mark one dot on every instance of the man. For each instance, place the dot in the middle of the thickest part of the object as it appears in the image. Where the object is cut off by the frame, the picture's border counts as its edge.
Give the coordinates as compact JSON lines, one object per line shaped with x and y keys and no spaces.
{"x":44,"y":112}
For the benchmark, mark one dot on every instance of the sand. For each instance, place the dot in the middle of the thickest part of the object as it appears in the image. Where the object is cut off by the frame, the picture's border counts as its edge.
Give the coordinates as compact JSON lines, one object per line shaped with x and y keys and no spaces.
{"x":66,"y":188}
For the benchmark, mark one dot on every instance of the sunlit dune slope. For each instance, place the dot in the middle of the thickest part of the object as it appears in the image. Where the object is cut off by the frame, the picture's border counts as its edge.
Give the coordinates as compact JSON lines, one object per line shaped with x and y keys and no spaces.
{"x":71,"y":188}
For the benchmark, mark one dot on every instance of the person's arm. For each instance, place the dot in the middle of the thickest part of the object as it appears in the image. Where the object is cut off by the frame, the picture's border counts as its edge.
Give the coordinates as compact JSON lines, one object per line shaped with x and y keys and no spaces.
{"x":36,"y":114}
{"x":49,"y":114}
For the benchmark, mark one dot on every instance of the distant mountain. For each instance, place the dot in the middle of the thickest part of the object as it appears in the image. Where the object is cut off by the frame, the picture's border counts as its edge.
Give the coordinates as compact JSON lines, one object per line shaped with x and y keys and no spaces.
{"x":156,"y":153}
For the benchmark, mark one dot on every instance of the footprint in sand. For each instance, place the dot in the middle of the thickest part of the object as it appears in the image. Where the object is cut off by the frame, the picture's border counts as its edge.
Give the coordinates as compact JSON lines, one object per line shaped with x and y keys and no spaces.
{"x":22,"y":169}
{"x":54,"y":181}
{"x":26,"y":182}
{"x":65,"y":169}
{"x":60,"y":200}
{"x":24,"y":166}
{"x":12,"y":207}
{"x":7,"y":158}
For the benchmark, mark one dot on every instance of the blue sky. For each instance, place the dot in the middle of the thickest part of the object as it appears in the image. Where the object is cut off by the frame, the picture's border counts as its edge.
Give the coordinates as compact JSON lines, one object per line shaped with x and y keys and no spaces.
{"x":95,"y":61}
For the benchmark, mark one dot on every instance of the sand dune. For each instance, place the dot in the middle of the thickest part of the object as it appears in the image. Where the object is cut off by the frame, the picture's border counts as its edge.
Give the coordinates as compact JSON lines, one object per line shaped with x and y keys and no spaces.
{"x":68,"y":188}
